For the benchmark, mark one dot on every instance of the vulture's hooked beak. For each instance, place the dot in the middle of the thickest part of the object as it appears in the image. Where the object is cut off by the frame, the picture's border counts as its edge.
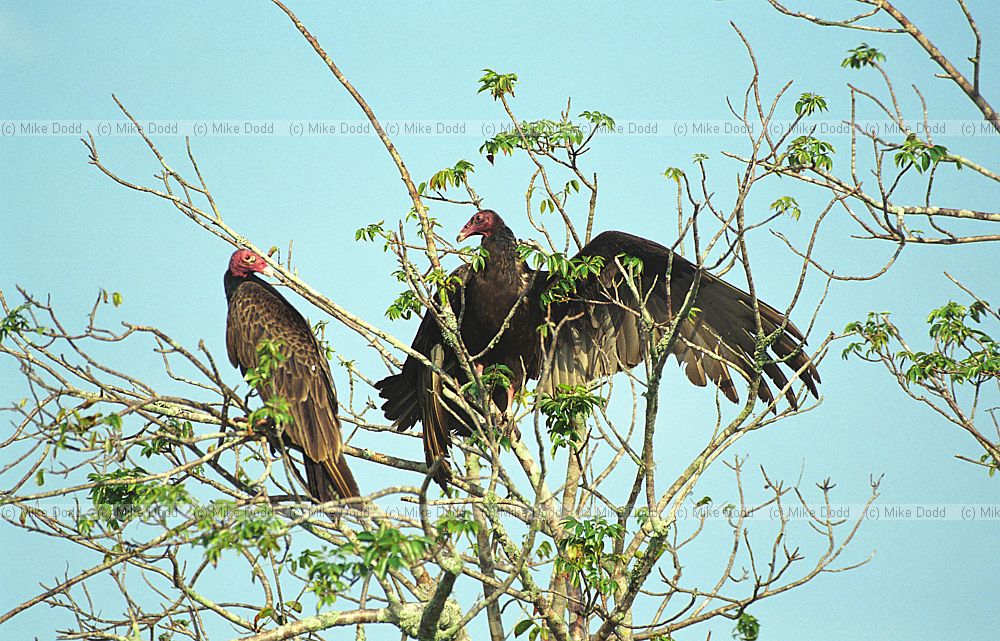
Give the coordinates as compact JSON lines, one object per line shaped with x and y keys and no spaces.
{"x":462,"y":235}
{"x":267,"y":271}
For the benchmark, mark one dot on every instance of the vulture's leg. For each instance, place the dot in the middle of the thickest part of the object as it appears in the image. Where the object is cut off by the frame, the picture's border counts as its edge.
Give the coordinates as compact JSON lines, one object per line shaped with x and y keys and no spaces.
{"x":267,"y":427}
{"x":260,"y":425}
{"x":507,"y":418}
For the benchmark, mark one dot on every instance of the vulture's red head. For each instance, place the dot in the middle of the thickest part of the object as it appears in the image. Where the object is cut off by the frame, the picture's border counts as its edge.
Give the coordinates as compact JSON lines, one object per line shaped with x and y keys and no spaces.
{"x":245,"y":262}
{"x":483,"y":223}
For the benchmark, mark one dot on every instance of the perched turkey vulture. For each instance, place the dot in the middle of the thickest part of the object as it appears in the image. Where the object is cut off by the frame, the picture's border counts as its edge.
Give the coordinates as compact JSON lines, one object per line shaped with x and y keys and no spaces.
{"x":598,"y":323}
{"x":258,"y":312}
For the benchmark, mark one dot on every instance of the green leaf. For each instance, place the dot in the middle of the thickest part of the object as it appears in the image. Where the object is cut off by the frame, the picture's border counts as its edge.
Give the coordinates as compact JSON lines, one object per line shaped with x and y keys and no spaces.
{"x":599,"y":120}
{"x":522,"y":627}
{"x":16,"y":322}
{"x":806,"y":151}
{"x":809,"y":103}
{"x":451,"y":176}
{"x":787,"y":205}
{"x":497,"y":84}
{"x":263,"y":614}
{"x":565,"y":413}
{"x":747,"y":628}
{"x":583,"y":556}
{"x":370,"y":232}
{"x":405,"y":305}
{"x":493,"y":377}
{"x":919,"y":154}
{"x":863,"y":56}
{"x":673,"y":173}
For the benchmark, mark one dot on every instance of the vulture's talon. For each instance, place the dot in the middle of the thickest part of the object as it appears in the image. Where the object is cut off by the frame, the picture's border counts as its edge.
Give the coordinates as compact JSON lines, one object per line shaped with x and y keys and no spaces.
{"x":506,"y":423}
{"x":510,"y":428}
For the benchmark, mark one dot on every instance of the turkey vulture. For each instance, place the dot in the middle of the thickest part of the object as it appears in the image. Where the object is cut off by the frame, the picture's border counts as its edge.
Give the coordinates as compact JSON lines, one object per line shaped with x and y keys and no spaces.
{"x":595,"y":328}
{"x":257,"y":312}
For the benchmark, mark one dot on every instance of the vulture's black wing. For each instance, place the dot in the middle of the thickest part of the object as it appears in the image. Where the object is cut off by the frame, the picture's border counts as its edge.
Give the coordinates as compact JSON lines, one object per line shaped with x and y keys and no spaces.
{"x":600,"y":334}
{"x":417,"y":392}
{"x":257,"y":312}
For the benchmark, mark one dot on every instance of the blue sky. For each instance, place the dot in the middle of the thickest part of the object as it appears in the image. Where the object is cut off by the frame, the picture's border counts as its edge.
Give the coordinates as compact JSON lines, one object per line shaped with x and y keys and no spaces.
{"x":68,"y":231}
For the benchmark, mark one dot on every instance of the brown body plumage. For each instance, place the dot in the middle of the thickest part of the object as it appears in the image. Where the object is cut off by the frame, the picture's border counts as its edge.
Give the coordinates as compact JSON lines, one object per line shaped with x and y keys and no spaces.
{"x":596,"y":330}
{"x":258,"y":312}
{"x":417,"y":394}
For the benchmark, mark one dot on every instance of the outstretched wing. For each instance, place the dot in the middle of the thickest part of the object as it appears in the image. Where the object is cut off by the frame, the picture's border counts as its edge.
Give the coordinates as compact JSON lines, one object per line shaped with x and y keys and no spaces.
{"x":601,"y":325}
{"x":257,"y":312}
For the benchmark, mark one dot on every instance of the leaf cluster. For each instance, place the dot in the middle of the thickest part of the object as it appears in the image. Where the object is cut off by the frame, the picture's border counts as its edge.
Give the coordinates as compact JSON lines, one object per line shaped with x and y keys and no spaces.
{"x":17,"y":323}
{"x":582,"y":554}
{"x":787,"y":205}
{"x":863,"y":56}
{"x":920,"y":154}
{"x":497,"y":84}
{"x":566,"y":272}
{"x":451,"y":176}
{"x":809,"y":103}
{"x":962,"y":352}
{"x":807,"y":151}
{"x":565,"y":413}
{"x":544,"y":136}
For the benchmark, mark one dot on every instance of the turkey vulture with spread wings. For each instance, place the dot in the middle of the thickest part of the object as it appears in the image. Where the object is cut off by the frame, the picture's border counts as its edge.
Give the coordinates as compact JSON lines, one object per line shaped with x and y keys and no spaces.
{"x":257,"y":312}
{"x":596,"y":329}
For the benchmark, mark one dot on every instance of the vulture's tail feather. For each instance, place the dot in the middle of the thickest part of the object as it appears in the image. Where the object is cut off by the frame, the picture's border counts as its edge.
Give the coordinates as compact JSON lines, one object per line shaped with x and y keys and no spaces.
{"x":331,"y":479}
{"x":401,"y":404}
{"x":435,"y":419}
